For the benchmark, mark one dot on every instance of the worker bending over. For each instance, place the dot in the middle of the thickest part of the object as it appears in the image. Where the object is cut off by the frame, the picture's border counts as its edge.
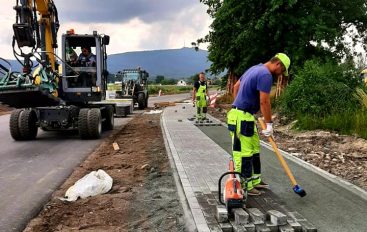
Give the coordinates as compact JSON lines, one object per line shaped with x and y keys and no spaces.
{"x":251,"y":94}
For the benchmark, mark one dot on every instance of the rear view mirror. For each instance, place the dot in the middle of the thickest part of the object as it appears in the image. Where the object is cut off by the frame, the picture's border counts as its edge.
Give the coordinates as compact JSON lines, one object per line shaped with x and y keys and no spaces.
{"x":106,"y":40}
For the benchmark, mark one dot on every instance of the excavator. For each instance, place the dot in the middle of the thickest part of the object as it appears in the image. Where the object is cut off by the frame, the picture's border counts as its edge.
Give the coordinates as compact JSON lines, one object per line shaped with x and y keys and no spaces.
{"x":51,"y":92}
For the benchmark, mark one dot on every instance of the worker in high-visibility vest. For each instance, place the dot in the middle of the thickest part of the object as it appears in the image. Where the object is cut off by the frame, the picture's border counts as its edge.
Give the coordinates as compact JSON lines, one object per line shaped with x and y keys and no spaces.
{"x":200,"y":95}
{"x":251,"y":94}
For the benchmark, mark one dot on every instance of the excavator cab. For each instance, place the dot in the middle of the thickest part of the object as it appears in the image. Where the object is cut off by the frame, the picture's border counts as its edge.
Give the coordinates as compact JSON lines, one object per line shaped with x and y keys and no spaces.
{"x":84,"y":76}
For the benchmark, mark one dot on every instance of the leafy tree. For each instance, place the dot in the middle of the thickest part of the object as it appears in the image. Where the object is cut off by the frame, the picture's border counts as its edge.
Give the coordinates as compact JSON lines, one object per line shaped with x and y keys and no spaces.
{"x":159,"y":79}
{"x":168,"y":82}
{"x":247,"y":32}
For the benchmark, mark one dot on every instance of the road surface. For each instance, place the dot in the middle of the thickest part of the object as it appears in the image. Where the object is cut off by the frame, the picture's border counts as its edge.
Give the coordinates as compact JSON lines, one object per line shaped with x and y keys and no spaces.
{"x":31,"y":170}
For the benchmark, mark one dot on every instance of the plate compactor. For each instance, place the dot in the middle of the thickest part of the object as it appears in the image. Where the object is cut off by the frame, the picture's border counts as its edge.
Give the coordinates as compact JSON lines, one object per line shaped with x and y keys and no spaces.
{"x":234,"y":196}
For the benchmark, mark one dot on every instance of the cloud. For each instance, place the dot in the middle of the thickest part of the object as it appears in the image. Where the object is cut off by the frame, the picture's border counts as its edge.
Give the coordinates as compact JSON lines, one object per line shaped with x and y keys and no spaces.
{"x":133,"y":25}
{"x":117,"y":11}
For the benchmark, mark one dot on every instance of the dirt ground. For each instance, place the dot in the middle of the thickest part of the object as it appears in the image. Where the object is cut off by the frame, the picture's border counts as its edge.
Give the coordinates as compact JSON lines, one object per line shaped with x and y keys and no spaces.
{"x":340,"y":155}
{"x":143,"y":196}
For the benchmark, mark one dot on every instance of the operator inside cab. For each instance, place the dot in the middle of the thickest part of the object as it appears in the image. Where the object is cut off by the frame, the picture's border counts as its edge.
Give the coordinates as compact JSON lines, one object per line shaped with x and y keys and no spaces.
{"x":86,"y":58}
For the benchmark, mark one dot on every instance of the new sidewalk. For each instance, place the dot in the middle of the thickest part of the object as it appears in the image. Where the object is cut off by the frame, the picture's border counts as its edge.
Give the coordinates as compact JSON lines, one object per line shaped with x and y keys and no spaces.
{"x":200,"y":162}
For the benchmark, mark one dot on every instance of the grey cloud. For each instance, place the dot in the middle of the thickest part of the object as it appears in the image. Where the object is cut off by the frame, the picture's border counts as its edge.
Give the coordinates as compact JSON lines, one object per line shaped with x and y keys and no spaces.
{"x":117,"y":11}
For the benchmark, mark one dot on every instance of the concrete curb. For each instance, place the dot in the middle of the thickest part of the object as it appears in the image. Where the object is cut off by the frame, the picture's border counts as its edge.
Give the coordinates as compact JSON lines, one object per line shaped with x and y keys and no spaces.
{"x":170,"y":149}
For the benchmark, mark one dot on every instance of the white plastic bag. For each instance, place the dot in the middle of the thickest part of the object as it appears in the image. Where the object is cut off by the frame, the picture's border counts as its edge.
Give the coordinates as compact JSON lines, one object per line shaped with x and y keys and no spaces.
{"x":92,"y":184}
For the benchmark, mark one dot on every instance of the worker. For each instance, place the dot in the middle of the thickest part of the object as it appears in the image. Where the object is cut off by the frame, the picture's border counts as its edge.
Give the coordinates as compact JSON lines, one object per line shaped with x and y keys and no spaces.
{"x":86,"y":58}
{"x":200,"y":95}
{"x":251,"y":94}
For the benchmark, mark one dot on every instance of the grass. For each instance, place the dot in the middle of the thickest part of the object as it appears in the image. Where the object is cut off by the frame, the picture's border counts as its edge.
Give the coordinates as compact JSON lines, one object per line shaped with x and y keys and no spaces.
{"x":349,"y":123}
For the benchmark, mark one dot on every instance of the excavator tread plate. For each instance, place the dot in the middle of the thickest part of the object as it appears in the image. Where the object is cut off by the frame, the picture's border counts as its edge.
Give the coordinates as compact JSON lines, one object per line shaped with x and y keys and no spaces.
{"x":26,"y":98}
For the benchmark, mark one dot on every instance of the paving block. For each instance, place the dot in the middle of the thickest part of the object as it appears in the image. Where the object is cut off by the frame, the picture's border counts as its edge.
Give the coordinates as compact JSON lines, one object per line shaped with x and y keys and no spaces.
{"x":238,"y":228}
{"x":221,"y":214}
{"x":241,"y":217}
{"x":277,"y":218}
{"x":250,"y":227}
{"x":272,"y":227}
{"x":256,"y":215}
{"x":262,"y":228}
{"x":296,"y":216}
{"x":286,"y":228}
{"x":295,"y":225}
{"x":307,"y":226}
{"x":214,"y":227}
{"x":226,"y":227}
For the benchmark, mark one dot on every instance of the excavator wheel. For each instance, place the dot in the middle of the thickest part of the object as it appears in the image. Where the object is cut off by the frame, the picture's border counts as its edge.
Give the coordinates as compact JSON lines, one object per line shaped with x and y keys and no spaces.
{"x":14,"y":124}
{"x":28,"y":124}
{"x":95,"y":123}
{"x":108,"y":124}
{"x":23,"y":124}
{"x":141,"y":101}
{"x":83,"y":123}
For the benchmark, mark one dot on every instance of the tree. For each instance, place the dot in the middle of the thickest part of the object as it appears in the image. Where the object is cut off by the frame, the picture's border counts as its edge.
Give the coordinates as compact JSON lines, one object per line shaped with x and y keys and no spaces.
{"x":247,"y":32}
{"x":159,"y":79}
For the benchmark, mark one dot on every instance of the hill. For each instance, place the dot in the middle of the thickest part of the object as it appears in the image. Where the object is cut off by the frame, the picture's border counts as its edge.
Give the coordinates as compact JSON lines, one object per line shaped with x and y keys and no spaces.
{"x":171,"y":63}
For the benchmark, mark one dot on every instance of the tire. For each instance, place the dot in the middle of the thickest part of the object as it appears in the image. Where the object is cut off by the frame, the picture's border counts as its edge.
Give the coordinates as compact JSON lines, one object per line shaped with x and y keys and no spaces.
{"x":141,"y":100}
{"x":146,"y":101}
{"x":94,"y":123}
{"x":109,"y":121}
{"x":83,"y":123}
{"x":14,"y":125}
{"x":28,"y":124}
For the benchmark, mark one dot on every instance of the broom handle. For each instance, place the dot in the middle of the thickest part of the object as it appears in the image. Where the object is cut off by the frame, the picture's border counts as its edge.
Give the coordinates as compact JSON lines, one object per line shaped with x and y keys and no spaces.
{"x":280,"y":157}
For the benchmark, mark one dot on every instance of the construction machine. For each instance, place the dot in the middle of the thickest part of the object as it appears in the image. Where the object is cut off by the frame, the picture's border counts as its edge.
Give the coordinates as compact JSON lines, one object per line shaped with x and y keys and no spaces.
{"x":51,"y":95}
{"x":134,"y":85}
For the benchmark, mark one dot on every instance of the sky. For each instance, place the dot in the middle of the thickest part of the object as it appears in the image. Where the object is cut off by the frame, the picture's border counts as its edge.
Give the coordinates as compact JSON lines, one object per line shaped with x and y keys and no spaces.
{"x":133,"y":25}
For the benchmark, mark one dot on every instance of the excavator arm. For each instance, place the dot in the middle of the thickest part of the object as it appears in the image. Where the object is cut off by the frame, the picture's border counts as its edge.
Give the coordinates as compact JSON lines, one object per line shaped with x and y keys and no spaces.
{"x":39,"y":34}
{"x":35,"y":38}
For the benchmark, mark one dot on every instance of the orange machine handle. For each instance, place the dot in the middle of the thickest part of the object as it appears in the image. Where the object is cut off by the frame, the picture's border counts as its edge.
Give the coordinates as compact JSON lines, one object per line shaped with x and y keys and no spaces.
{"x":280,"y":157}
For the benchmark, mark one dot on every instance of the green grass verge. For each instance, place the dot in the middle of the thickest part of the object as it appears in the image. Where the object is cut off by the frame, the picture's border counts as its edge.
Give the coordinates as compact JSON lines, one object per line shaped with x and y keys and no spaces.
{"x":348,"y":123}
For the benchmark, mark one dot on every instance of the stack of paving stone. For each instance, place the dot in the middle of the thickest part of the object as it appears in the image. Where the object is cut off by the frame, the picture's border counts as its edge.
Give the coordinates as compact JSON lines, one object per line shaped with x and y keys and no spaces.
{"x":253,"y":220}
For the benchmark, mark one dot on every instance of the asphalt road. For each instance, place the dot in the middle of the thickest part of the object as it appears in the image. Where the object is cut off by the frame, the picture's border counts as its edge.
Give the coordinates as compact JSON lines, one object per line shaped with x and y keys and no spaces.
{"x":328,"y":205}
{"x":30,"y":171}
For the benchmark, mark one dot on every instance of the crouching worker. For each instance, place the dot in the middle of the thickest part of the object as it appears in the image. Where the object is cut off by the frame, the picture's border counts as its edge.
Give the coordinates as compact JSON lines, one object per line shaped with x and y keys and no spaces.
{"x":201,"y":96}
{"x":251,"y":94}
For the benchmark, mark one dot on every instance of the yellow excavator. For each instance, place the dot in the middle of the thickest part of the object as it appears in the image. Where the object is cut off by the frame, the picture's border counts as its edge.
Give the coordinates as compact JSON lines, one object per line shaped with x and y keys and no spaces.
{"x":44,"y":98}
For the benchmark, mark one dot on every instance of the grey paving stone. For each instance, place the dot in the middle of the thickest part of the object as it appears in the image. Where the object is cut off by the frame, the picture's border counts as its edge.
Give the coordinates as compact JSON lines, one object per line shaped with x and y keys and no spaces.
{"x":286,"y":228}
{"x":307,"y":226}
{"x":238,"y":228}
{"x":226,"y":227}
{"x":295,"y":225}
{"x":272,"y":227}
{"x":277,"y":218}
{"x":256,"y":215}
{"x":241,"y":217}
{"x":214,"y":227}
{"x":262,"y":228}
{"x":250,"y":227}
{"x":221,"y":214}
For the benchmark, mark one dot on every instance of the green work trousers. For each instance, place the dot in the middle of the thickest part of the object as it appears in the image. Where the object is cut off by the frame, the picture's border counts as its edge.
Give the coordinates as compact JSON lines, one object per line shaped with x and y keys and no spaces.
{"x":245,"y":146}
{"x":201,"y":103}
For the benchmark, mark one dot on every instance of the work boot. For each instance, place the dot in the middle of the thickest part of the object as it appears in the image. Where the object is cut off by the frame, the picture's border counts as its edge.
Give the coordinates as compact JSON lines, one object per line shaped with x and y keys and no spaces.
{"x":262,"y":185}
{"x":253,"y":192}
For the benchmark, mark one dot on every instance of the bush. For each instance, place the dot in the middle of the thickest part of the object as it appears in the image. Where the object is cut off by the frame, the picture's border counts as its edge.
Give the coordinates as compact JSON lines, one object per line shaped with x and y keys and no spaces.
{"x":321,"y":90}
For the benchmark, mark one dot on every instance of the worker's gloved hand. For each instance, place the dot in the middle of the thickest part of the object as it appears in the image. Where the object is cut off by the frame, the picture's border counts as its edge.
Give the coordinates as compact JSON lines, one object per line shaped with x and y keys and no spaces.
{"x":269,"y":130}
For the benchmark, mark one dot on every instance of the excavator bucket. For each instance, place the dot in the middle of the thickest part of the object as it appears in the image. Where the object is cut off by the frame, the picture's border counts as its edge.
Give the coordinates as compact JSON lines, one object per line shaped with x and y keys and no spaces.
{"x":18,"y":91}
{"x":26,"y":98}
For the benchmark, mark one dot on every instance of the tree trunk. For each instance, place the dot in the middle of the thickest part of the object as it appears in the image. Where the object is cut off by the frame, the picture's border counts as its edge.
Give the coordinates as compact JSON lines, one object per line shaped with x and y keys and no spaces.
{"x":232,"y":79}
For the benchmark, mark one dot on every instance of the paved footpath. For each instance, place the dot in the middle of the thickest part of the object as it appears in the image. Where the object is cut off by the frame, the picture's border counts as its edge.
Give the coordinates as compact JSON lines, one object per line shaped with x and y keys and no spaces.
{"x":200,"y":162}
